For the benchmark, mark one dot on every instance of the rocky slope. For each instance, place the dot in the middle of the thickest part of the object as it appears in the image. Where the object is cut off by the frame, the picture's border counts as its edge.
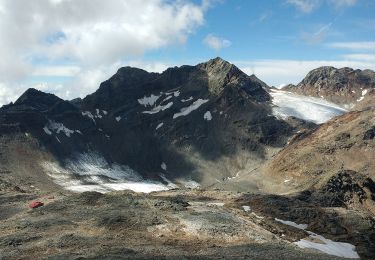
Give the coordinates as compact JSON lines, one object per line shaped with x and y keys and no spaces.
{"x":332,"y":166}
{"x":343,"y":144}
{"x":354,"y":89}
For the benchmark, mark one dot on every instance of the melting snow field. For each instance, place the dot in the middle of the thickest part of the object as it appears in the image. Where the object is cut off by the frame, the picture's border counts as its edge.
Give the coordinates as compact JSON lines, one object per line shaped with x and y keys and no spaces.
{"x":158,"y":109}
{"x":312,"y":109}
{"x":90,"y":172}
{"x":321,"y":243}
{"x":148,"y":101}
{"x":187,"y":110}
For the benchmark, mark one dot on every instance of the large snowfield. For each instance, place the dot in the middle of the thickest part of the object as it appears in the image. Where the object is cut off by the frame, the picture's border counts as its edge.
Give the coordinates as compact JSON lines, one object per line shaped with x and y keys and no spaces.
{"x":90,"y":172}
{"x":312,"y":109}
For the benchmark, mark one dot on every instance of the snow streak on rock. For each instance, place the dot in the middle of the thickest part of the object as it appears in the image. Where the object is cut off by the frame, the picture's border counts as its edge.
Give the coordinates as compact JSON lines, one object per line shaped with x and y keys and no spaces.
{"x":158,"y":109}
{"x":187,"y":110}
{"x":148,"y":101}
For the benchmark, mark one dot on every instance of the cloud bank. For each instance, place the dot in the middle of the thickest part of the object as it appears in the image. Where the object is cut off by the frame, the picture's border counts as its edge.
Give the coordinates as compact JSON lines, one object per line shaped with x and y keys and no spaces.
{"x":86,"y":38}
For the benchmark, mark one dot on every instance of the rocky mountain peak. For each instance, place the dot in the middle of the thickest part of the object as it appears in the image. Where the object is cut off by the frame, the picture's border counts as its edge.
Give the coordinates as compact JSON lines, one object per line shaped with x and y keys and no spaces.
{"x":343,"y":86}
{"x":37,"y":99}
{"x":222,"y":74}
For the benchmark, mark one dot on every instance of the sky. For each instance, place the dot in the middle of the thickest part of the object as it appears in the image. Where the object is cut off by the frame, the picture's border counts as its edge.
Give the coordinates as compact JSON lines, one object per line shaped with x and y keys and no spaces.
{"x":68,"y":47}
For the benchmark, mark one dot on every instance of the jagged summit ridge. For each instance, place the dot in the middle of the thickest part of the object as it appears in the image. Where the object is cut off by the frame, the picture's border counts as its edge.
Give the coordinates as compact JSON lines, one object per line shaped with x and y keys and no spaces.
{"x":215,"y":77}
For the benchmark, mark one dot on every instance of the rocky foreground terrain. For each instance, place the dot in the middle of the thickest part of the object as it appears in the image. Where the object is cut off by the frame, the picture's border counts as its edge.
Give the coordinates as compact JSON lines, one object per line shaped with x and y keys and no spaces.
{"x":224,"y":167}
{"x":173,"y":224}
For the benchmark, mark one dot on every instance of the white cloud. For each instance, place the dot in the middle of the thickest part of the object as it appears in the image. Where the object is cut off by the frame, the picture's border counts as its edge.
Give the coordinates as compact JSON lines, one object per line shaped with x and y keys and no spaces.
{"x":90,"y":34}
{"x":343,"y":3}
{"x":359,"y":56}
{"x":216,"y":43}
{"x":318,"y":36}
{"x":265,"y":16}
{"x":56,"y":71}
{"x":305,"y":6}
{"x":278,"y":72}
{"x":353,"y":45}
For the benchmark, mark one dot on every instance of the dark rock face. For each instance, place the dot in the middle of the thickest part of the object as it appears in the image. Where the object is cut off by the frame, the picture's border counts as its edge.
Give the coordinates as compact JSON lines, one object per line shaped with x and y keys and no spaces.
{"x":209,"y":111}
{"x":347,"y":185}
{"x":343,"y":86}
{"x":369,"y":134}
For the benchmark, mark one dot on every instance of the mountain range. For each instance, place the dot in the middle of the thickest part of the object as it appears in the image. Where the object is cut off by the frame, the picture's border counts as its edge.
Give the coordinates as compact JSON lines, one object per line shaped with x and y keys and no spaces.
{"x":193,"y":134}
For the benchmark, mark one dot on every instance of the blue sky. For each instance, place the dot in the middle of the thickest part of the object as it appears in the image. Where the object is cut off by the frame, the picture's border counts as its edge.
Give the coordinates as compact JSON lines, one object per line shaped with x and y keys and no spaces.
{"x":69,"y":47}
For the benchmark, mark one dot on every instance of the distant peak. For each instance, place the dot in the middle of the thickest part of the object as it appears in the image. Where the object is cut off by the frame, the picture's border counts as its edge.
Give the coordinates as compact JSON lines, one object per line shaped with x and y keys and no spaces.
{"x":218,"y":61}
{"x":33,"y":96}
{"x":30,"y":93}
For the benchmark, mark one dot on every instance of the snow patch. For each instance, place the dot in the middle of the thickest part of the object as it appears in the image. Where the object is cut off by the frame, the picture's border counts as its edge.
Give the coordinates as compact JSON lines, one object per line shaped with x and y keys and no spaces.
{"x":56,"y":127}
{"x":321,"y":243}
{"x":89,"y":115}
{"x":292,"y":224}
{"x":47,"y":131}
{"x":364,"y":92}
{"x":163,"y":166}
{"x":186,"y":100}
{"x":187,"y":110}
{"x":118,"y":118}
{"x":159,"y":125}
{"x":191,"y":184}
{"x":207,"y":116}
{"x":148,"y":101}
{"x":307,"y":108}
{"x":217,"y":204}
{"x":246,"y":208}
{"x":328,"y":246}
{"x":98,"y":115}
{"x":175,"y":93}
{"x":167,"y":98}
{"x":234,"y":177}
{"x":158,"y":108}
